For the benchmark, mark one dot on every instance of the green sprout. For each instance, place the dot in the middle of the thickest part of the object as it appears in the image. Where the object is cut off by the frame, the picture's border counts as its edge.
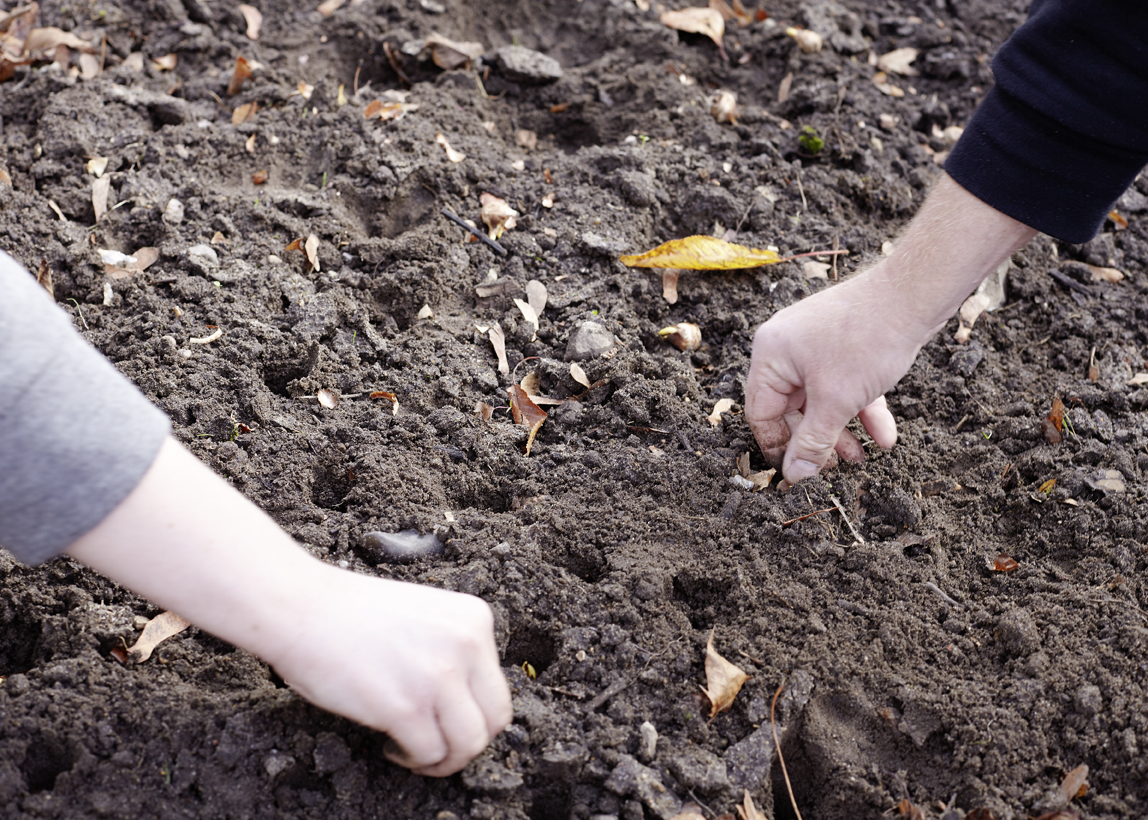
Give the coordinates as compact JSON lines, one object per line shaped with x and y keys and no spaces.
{"x":810,"y":141}
{"x":643,"y":138}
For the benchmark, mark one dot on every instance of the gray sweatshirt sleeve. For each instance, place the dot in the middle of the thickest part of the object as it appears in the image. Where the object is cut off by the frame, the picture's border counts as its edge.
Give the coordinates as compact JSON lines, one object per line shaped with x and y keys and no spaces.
{"x":76,"y":436}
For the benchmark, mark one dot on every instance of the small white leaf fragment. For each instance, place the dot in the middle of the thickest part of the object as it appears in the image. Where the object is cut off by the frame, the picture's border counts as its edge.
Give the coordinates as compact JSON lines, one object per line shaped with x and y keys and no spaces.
{"x":988,"y":297}
{"x":254,"y":20}
{"x":451,"y":153}
{"x":579,"y":375}
{"x":809,"y":42}
{"x":329,"y":7}
{"x":497,"y":214}
{"x":498,"y":342}
{"x":108,"y":294}
{"x":815,"y":270}
{"x":724,"y":107}
{"x":536,"y":296}
{"x":116,"y":258}
{"x":100,"y":188}
{"x":1100,"y":274}
{"x":327,"y":398}
{"x":528,"y":313}
{"x":1138,"y":379}
{"x":311,"y":248}
{"x":207,"y":339}
{"x":897,"y":62}
{"x":96,"y":166}
{"x":158,"y":630}
{"x":722,"y":406}
{"x":425,"y":312}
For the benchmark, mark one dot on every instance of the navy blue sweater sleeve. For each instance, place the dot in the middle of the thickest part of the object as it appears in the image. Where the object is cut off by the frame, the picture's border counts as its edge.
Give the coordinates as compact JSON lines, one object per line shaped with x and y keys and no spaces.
{"x":1065,"y":130}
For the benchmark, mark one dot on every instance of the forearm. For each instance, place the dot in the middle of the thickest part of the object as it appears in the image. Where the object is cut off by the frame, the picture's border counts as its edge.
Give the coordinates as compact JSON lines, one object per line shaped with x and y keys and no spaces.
{"x":953,"y":243}
{"x":188,"y":541}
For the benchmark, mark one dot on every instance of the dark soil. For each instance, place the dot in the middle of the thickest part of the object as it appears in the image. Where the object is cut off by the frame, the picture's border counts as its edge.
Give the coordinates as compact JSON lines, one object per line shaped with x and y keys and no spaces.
{"x":911,"y":668}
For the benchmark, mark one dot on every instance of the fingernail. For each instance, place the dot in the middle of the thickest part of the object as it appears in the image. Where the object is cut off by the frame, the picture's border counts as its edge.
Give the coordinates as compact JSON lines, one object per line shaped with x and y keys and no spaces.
{"x":799,"y":469}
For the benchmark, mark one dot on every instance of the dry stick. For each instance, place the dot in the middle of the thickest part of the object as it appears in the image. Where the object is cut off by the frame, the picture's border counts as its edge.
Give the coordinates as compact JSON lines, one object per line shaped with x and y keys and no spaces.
{"x":780,"y":756}
{"x":807,"y":515}
{"x":845,"y":517}
{"x":609,"y":692}
{"x":836,"y":244}
{"x":834,"y":254}
{"x":453,"y":217}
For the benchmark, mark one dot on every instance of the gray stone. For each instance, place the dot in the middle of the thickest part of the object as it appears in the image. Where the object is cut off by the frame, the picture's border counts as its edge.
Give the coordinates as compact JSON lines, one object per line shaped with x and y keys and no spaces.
{"x":561,"y":761}
{"x":331,"y":753}
{"x":276,"y":763}
{"x":1017,"y":631}
{"x":525,"y":66}
{"x":748,"y":761}
{"x":589,"y":341}
{"x":594,"y":242}
{"x":966,"y":359}
{"x":1088,"y":700}
{"x":204,"y":259}
{"x":648,"y":744}
{"x":631,"y":779}
{"x":698,"y":768}
{"x":1133,"y":202}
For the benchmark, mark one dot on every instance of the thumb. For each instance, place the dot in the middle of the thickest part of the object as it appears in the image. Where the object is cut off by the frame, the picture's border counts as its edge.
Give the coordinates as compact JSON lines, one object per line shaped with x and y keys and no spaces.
{"x":811,"y":443}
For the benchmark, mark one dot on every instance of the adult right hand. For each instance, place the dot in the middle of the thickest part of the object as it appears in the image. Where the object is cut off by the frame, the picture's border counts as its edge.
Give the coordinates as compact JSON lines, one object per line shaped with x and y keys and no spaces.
{"x":832,"y":356}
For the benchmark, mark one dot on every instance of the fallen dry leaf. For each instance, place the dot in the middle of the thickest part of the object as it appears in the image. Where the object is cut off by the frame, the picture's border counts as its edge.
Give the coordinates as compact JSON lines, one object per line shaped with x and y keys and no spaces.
{"x":536,"y":296}
{"x":881,"y":80}
{"x":730,"y":13}
{"x":259,"y":177}
{"x":815,"y":270}
{"x":702,"y":253}
{"x":529,"y":314}
{"x":254,"y":19}
{"x":1053,"y":426}
{"x":96,"y":166}
{"x":1119,"y":223}
{"x":526,"y":139}
{"x":158,"y":630}
{"x":100,"y":188}
{"x":526,"y":413}
{"x":89,"y":66}
{"x":242,"y":72}
{"x":1100,"y":274}
{"x":249,"y":145}
{"x":425,"y":312}
{"x":1003,"y":563}
{"x":747,"y":810}
{"x":4,"y":177}
{"x":897,"y":62}
{"x":165,"y":63}
{"x":449,"y":54}
{"x":724,"y":107}
{"x":498,"y":341}
{"x":705,"y":21}
{"x":497,"y":214}
{"x":44,"y":279}
{"x":722,"y":406}
{"x":329,"y":7}
{"x":311,"y":250}
{"x":121,"y":265}
{"x":305,"y":90}
{"x":451,"y":153}
{"x":387,"y":111}
{"x":759,"y":480}
{"x":391,"y":397}
{"x":244,"y":113}
{"x":809,"y":42}
{"x":1138,"y":379}
{"x":49,"y":38}
{"x":1075,"y":783}
{"x":328,"y":398}
{"x":484,"y":410}
{"x":723,"y":680}
{"x":579,"y":375}
{"x":670,"y":285}
{"x":907,"y":808}
{"x":685,"y":336}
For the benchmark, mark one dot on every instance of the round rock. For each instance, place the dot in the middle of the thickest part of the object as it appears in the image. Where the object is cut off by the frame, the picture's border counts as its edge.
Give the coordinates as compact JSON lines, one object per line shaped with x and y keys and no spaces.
{"x":588,"y":341}
{"x":527,"y":67}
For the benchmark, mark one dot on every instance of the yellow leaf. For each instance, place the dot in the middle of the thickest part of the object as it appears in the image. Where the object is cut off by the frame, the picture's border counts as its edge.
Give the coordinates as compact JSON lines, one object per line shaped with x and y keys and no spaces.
{"x":723,"y":680}
{"x":702,"y":253}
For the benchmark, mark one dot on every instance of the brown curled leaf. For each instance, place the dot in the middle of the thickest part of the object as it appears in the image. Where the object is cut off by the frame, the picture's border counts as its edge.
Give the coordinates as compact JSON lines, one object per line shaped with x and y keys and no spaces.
{"x":723,"y":680}
{"x":526,"y":413}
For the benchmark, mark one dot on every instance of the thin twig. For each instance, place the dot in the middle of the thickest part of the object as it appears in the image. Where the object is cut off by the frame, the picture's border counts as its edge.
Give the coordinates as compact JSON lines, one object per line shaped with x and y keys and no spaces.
{"x":801,"y":190}
{"x":609,"y":692}
{"x":845,"y":516}
{"x":836,"y":245}
{"x":462,"y":223}
{"x":780,"y":756}
{"x":961,"y":423}
{"x":929,"y":585}
{"x":807,"y":515}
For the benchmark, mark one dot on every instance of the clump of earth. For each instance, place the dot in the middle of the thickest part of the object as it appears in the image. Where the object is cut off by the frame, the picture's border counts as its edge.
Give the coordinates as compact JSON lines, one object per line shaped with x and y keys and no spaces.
{"x":910,"y":668}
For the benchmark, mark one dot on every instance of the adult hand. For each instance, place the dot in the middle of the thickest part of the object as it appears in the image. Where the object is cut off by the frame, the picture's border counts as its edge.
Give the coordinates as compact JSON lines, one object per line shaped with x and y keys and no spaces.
{"x":828,"y":358}
{"x":417,"y":663}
